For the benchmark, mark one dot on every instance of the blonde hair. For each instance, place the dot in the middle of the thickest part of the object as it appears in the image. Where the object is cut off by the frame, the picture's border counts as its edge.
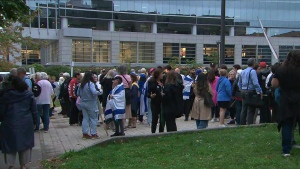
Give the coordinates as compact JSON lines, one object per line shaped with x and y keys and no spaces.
{"x":110,"y":74}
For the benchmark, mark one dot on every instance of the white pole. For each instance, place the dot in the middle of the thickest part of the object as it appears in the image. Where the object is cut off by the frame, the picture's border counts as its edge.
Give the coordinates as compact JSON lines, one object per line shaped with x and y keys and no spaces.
{"x":72,"y":66}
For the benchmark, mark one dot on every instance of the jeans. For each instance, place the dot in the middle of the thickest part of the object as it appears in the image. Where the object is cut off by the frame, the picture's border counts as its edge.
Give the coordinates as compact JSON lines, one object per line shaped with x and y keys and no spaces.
{"x":247,"y":113}
{"x":201,"y":124}
{"x":238,"y":109}
{"x":149,"y":118}
{"x":89,"y":122}
{"x":215,"y":112}
{"x":287,"y":132}
{"x":265,"y":113}
{"x":43,"y":112}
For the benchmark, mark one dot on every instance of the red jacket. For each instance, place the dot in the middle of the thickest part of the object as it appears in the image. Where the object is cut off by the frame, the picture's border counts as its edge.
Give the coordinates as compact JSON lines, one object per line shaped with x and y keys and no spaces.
{"x":72,"y":85}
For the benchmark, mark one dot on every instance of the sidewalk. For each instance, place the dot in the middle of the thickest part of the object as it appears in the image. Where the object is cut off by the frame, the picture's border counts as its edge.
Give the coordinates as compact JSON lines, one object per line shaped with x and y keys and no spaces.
{"x":62,"y":138}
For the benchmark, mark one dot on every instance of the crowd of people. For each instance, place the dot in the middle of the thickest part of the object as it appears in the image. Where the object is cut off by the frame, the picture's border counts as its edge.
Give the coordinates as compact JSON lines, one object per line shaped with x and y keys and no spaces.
{"x":156,"y":97}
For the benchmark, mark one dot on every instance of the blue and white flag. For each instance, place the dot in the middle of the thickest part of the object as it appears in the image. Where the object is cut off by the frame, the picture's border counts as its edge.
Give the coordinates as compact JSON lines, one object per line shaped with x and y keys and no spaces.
{"x":187,"y":83}
{"x":144,"y":99}
{"x":116,"y":106}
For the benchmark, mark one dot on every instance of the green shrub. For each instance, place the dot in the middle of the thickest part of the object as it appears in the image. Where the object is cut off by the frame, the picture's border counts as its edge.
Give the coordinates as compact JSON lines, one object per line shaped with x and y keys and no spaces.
{"x":38,"y":67}
{"x":5,"y":66}
{"x":55,"y":70}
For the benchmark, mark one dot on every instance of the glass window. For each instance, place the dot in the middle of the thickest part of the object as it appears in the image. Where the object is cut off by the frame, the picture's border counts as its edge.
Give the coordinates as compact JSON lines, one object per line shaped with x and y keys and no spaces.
{"x":284,"y":50}
{"x":128,"y":52}
{"x":183,"y":52}
{"x":229,"y":54}
{"x":127,"y":26}
{"x":81,"y":50}
{"x":264,"y":54}
{"x":187,"y":52}
{"x":174,"y":28}
{"x":54,"y":52}
{"x":88,"y":23}
{"x":101,"y":51}
{"x":210,"y":53}
{"x":30,"y":56}
{"x":137,"y":52}
{"x":170,"y":51}
{"x":248,"y":51}
{"x":146,"y":52}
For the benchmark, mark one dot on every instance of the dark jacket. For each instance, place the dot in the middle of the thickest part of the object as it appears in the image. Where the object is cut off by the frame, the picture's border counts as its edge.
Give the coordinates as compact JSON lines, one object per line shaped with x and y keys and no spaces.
{"x":134,"y":97}
{"x":172,"y":102}
{"x":17,"y":111}
{"x":154,"y":87}
{"x":64,"y":90}
{"x":106,"y":84}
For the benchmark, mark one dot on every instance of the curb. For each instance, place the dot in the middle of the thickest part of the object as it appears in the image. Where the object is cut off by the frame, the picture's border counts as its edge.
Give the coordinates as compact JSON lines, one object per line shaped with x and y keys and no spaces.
{"x":128,"y":138}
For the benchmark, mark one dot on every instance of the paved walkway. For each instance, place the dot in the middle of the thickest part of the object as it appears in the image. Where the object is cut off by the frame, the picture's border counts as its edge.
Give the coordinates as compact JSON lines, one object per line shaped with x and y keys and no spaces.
{"x":62,"y":138}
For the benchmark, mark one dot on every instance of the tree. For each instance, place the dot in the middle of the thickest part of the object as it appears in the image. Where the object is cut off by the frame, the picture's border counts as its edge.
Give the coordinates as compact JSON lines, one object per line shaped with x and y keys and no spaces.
{"x":12,"y":11}
{"x":12,"y":14}
{"x":214,"y":58}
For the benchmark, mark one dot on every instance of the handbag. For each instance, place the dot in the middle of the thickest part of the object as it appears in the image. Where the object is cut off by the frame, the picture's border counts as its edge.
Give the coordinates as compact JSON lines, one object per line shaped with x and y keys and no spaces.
{"x":251,"y":97}
{"x":208,"y":100}
{"x":78,"y":101}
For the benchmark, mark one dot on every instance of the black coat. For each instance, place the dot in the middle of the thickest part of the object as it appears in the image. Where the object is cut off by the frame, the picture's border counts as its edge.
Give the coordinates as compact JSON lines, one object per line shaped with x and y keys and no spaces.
{"x":17,"y":111}
{"x":172,"y":101}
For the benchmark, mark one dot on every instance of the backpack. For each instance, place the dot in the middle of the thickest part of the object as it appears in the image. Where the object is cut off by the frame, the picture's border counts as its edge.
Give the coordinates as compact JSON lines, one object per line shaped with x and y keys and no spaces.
{"x":36,"y":89}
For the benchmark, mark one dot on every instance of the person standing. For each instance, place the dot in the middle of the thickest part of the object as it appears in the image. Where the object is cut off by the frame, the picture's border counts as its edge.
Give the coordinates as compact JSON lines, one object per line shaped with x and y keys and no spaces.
{"x":43,"y":101}
{"x":213,"y":80}
{"x":21,"y":71}
{"x":117,"y":103}
{"x":89,"y":97}
{"x":155,"y":89}
{"x":200,"y":112}
{"x":236,"y":94}
{"x":122,"y":70}
{"x":141,"y":82}
{"x":64,"y":96}
{"x":74,"y":114}
{"x":248,"y":82}
{"x":287,"y":80}
{"x":265,"y":113}
{"x":188,"y":94}
{"x":232,"y":109}
{"x":170,"y":102}
{"x":135,"y":94}
{"x":224,"y":95}
{"x":17,"y":111}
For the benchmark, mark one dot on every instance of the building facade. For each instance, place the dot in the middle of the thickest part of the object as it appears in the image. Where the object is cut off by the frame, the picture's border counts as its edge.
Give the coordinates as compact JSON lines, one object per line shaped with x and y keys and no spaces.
{"x":152,"y":32}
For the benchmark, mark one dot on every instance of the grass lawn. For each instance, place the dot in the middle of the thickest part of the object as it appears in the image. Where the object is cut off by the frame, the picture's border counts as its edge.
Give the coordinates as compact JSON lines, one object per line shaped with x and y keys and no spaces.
{"x":232,"y":148}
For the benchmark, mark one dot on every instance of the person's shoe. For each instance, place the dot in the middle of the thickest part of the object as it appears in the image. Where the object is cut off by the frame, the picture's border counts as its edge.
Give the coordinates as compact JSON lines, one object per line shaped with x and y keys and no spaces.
{"x":45,"y":131}
{"x":52,"y":117}
{"x":65,"y":116}
{"x":86,"y":136}
{"x":95,"y":136}
{"x":36,"y":130}
{"x":217,"y":119}
{"x":212,"y":120}
{"x":222,"y":125}
{"x":192,"y":118}
{"x":231,"y":122}
{"x":186,"y":119}
{"x":286,"y":155}
{"x":114,"y":135}
{"x":122,"y":134}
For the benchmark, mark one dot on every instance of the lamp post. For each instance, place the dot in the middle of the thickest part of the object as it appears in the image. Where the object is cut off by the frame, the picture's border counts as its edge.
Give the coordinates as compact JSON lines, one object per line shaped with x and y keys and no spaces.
{"x":222,"y":38}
